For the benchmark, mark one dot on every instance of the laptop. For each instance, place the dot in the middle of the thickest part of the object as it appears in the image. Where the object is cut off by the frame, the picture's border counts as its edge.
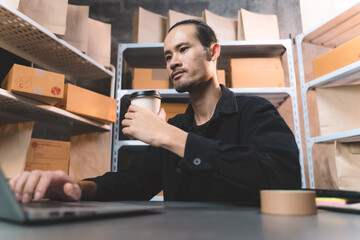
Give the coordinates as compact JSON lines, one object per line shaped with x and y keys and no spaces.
{"x":46,"y":210}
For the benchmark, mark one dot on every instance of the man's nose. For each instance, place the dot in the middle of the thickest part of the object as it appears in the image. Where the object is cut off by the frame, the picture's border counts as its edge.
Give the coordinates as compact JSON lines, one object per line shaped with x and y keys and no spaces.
{"x":174,"y":63}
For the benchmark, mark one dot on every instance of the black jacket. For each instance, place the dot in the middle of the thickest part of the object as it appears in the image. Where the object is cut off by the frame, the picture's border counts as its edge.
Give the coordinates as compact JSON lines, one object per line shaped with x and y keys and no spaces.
{"x":246,"y":147}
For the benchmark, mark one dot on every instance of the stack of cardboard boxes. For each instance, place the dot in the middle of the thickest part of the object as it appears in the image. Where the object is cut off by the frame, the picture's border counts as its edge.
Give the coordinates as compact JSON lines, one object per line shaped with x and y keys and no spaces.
{"x":43,"y":150}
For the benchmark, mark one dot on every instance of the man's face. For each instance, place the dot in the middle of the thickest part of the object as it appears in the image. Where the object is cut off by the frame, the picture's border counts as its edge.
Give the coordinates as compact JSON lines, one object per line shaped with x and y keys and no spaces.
{"x":186,"y":59}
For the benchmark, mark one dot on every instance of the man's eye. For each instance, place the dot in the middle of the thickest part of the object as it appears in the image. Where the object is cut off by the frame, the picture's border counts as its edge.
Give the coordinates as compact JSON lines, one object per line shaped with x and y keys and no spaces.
{"x":183,"y":49}
{"x":167,"y":58}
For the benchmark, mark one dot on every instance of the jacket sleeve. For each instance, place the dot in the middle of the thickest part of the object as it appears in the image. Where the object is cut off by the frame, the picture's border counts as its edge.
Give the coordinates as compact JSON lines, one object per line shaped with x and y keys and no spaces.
{"x":141,"y":180}
{"x":266,"y":155}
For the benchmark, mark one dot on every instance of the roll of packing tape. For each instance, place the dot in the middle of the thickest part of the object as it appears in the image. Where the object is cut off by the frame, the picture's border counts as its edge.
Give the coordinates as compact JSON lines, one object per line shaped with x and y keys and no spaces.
{"x":288,"y":202}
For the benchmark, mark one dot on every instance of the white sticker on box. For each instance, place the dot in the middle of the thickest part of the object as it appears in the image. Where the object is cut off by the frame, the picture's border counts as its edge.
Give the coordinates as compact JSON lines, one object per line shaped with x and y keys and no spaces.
{"x":39,"y":73}
{"x":38,"y":90}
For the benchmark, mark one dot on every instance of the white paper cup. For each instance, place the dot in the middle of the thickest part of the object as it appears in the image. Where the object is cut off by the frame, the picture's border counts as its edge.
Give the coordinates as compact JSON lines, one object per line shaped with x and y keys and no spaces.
{"x":147,"y":99}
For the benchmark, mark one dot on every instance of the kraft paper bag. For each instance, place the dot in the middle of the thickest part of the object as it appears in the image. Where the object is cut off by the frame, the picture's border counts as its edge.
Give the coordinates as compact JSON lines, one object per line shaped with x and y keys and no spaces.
{"x":338,"y":108}
{"x":224,"y":28}
{"x":99,"y":42}
{"x":344,"y":163}
{"x":174,"y":17}
{"x":77,"y":27}
{"x":51,"y":14}
{"x":90,"y":155}
{"x":148,"y":27}
{"x":14,"y":142}
{"x":259,"y":26}
{"x":12,"y":3}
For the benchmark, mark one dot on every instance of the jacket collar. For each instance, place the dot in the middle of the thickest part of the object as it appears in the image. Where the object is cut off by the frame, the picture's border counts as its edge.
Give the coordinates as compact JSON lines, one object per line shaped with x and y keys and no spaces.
{"x":227,"y":104}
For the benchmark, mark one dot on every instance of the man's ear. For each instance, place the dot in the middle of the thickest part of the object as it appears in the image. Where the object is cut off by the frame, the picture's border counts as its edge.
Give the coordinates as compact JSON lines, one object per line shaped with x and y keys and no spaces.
{"x":215,"y":50}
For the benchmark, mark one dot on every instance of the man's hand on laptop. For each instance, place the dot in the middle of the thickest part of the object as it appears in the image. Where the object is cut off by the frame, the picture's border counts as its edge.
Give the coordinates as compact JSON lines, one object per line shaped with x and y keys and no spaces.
{"x":36,"y":185}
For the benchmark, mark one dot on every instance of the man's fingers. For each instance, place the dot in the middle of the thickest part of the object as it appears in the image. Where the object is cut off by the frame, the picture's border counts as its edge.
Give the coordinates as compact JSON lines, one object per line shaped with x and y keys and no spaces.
{"x":30,"y":185}
{"x":19,"y":186}
{"x":72,"y":191}
{"x":13,"y":181}
{"x":43,"y":185}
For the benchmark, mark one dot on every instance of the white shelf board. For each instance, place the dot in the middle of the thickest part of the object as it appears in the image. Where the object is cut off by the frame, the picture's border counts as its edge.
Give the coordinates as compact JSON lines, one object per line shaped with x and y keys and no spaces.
{"x":27,"y":39}
{"x":346,"y":136}
{"x":349,"y":74}
{"x":336,"y":30}
{"x":275,"y":95}
{"x":17,"y":107}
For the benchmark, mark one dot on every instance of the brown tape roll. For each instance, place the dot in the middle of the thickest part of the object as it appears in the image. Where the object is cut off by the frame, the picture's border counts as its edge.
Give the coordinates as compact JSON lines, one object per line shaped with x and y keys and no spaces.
{"x":288,"y":202}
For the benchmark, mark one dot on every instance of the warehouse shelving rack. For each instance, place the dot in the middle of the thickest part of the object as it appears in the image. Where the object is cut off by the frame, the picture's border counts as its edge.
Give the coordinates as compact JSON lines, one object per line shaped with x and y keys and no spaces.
{"x":332,"y":33}
{"x":27,"y":39}
{"x":150,"y":55}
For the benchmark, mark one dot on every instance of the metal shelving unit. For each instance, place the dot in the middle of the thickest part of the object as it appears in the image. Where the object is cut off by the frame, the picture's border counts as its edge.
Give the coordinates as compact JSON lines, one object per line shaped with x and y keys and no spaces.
{"x":151,"y":56}
{"x":27,"y":39}
{"x":332,"y":33}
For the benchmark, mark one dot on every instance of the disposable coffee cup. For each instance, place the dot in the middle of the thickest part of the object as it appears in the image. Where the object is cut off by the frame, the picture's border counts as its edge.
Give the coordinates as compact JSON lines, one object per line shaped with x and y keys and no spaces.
{"x":150,"y":99}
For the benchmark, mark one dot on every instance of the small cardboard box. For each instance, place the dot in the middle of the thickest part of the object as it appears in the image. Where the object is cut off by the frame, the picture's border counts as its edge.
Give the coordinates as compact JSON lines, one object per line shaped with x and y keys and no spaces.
{"x":44,"y":86}
{"x":174,"y":17}
{"x":224,"y":28}
{"x":147,"y":78}
{"x":49,"y":155}
{"x":340,"y":57}
{"x":257,"y":26}
{"x":256,"y":73}
{"x":148,"y":27}
{"x":338,"y":108}
{"x":221,"y":77}
{"x":89,"y":104}
{"x":173,"y":109}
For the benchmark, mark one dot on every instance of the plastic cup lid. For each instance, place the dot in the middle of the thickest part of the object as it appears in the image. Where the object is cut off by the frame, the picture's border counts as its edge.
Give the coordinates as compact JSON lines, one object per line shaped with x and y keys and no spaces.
{"x":149,"y":93}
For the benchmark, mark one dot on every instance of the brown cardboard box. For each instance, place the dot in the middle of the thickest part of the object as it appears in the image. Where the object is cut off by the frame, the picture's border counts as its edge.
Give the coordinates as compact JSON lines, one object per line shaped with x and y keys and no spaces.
{"x":338,"y":108}
{"x":44,"y":86}
{"x":339,"y":57}
{"x":88,"y":103}
{"x":49,"y":155}
{"x":256,"y":72}
{"x":12,"y":3}
{"x":224,"y":28}
{"x":258,"y":26}
{"x":172,"y":109}
{"x":147,"y":78}
{"x":344,"y":164}
{"x":221,"y":77}
{"x":174,"y":17}
{"x":148,"y":27}
{"x":99,"y":42}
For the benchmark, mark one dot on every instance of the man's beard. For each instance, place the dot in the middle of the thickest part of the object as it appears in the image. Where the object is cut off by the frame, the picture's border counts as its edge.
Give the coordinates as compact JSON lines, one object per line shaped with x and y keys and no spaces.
{"x":184,"y":86}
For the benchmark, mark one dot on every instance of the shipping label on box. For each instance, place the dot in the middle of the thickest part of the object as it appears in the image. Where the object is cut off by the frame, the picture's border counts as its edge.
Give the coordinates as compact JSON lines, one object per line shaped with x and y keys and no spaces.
{"x":47,"y":155}
{"x":87,"y":103}
{"x":256,"y":73}
{"x":341,"y":56}
{"x":41,"y":85}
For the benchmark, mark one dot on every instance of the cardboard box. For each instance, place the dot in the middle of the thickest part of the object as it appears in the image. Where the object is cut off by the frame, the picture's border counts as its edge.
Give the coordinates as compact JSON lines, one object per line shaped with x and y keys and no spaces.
{"x":221,"y":77}
{"x":49,"y":155}
{"x":147,"y":78}
{"x":257,"y":26}
{"x":224,"y":28}
{"x":173,"y":109}
{"x":99,"y":42}
{"x":256,"y":73}
{"x":344,"y":164}
{"x":174,"y":17}
{"x":44,"y":86}
{"x":148,"y":27}
{"x":89,"y":104}
{"x":338,"y":108}
{"x":12,"y":3}
{"x":340,"y":57}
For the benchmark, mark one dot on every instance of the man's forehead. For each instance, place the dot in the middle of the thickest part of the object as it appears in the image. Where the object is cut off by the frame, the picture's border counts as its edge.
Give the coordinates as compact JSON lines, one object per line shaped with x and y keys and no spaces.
{"x":181,"y":33}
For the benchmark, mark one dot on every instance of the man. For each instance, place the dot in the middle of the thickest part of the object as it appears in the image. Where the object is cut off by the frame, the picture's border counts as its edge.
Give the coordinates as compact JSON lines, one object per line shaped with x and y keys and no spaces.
{"x":224,"y":148}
